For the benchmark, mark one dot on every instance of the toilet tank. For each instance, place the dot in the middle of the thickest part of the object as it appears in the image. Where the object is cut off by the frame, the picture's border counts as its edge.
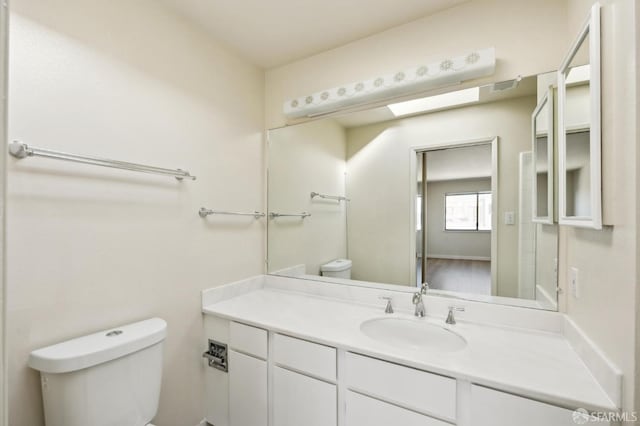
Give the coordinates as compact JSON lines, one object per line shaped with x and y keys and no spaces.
{"x":109,"y":378}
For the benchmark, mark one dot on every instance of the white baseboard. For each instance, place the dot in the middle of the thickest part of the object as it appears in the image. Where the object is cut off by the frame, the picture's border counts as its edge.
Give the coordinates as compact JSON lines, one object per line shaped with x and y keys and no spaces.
{"x":454,"y":257}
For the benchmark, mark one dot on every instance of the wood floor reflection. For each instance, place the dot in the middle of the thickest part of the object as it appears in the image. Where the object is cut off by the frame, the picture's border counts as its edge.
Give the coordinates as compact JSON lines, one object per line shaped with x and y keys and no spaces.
{"x":468,"y":276}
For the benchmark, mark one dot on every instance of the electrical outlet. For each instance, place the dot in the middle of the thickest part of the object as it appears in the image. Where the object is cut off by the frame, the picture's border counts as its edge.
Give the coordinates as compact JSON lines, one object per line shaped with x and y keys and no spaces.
{"x":574,"y":283}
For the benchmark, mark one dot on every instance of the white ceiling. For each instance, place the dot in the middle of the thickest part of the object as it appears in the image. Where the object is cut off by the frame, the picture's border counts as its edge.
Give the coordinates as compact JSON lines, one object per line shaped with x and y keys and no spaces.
{"x":276,"y":32}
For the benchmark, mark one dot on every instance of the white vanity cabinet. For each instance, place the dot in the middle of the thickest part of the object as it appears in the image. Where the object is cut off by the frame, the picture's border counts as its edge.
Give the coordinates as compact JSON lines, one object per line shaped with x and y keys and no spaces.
{"x":366,"y":411}
{"x":278,"y":380}
{"x":248,"y":387}
{"x":302,"y":400}
{"x":247,"y":390}
{"x":380,"y":390}
{"x":304,"y":383}
{"x":494,"y":408}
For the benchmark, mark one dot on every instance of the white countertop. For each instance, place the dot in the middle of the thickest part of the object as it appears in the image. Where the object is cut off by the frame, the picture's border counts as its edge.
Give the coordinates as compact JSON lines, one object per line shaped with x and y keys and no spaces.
{"x":537,"y":364}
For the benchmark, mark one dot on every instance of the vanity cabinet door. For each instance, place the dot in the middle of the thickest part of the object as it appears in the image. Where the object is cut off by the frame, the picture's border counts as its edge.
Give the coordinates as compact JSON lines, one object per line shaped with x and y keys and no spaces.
{"x":418,"y":390}
{"x":247,"y":390}
{"x":494,"y":408}
{"x":365,"y":411}
{"x":300,"y":400}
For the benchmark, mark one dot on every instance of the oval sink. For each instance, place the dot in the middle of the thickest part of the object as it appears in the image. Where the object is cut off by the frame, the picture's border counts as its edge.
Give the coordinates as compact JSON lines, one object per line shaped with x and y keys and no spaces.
{"x":413,"y":334}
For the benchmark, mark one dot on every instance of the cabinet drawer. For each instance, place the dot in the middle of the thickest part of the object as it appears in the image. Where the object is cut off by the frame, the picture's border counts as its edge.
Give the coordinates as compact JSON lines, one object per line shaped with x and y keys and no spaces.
{"x":362,"y":410}
{"x":317,"y":360}
{"x":421,"y":391}
{"x":300,"y":400}
{"x":494,"y":408}
{"x":247,"y":339}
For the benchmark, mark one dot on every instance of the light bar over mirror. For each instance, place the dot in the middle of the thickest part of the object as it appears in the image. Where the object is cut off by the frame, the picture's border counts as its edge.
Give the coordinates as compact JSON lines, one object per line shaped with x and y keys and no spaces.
{"x":455,"y":70}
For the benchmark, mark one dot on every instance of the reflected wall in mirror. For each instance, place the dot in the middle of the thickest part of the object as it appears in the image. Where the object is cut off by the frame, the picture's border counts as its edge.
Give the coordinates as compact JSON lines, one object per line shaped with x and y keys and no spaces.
{"x":579,"y":130}
{"x":470,"y":236}
{"x":543,"y":148}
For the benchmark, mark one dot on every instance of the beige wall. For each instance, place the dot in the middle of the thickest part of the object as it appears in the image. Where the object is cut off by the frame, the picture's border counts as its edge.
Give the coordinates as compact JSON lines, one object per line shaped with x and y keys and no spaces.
{"x":637,"y":130}
{"x":606,"y":259}
{"x":305,"y":158}
{"x":90,"y":248}
{"x":443,"y":243}
{"x":529,"y":37}
{"x":3,"y":208}
{"x":378,"y":156}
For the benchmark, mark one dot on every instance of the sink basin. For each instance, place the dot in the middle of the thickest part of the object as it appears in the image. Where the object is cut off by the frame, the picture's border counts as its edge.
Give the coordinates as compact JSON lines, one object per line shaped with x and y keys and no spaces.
{"x":413,"y":334}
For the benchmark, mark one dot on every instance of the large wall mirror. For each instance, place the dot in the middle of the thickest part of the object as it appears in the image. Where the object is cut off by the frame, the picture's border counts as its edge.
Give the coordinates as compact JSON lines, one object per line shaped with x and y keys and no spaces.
{"x":579,"y":135}
{"x":438,"y":189}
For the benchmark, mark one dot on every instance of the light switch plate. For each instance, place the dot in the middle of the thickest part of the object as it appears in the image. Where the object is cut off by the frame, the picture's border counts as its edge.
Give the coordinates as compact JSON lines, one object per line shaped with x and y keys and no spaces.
{"x":574,"y":284}
{"x":509,"y":218}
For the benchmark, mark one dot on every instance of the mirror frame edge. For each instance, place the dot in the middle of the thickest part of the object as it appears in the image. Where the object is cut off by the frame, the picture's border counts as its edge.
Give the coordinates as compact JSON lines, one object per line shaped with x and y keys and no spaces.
{"x":548,"y":100}
{"x":590,"y":31}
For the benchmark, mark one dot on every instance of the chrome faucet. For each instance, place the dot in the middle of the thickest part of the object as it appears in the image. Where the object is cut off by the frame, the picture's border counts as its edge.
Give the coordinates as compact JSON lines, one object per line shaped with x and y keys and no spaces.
{"x":417,"y":300}
{"x":450,"y":318}
{"x":389,"y":307}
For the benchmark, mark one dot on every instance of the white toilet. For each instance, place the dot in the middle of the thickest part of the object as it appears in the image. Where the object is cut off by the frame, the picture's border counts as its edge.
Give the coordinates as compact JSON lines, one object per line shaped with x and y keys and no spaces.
{"x":110,"y":378}
{"x":339,"y":268}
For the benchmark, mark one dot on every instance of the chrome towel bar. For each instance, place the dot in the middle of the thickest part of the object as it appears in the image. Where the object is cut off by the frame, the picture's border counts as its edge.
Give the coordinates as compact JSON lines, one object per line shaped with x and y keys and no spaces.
{"x":203,"y":212}
{"x":302,"y":215}
{"x":329,"y":197}
{"x":21,"y":150}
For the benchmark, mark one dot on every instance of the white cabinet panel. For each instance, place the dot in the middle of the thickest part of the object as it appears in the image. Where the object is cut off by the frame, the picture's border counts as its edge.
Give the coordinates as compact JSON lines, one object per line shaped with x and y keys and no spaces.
{"x":216,"y":381}
{"x":247,"y":390}
{"x":247,"y":339}
{"x":303,"y":401}
{"x":416,"y":389}
{"x":493,"y":408}
{"x":365,"y":411}
{"x":317,"y":360}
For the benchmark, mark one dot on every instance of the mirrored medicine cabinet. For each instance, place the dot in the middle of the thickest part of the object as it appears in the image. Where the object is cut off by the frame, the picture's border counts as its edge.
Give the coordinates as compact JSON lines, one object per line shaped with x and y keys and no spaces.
{"x":579,"y":135}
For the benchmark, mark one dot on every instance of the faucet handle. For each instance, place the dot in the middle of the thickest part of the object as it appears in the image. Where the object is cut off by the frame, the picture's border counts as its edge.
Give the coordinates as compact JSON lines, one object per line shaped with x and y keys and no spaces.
{"x":389,"y":307}
{"x":450,"y":318}
{"x":424,"y":288}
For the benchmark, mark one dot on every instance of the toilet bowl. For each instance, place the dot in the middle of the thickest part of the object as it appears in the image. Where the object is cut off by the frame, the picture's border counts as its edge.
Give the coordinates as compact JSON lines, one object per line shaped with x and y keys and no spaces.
{"x":110,"y":377}
{"x":339,"y":268}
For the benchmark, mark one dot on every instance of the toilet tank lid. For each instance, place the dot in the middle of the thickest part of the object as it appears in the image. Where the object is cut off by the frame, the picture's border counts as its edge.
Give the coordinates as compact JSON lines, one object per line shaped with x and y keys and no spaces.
{"x":336,"y":265}
{"x":97,"y":348}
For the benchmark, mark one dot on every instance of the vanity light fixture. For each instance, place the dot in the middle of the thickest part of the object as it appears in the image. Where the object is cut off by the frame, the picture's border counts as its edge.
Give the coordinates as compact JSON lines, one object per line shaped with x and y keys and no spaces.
{"x":475,"y":64}
{"x":431,"y":103}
